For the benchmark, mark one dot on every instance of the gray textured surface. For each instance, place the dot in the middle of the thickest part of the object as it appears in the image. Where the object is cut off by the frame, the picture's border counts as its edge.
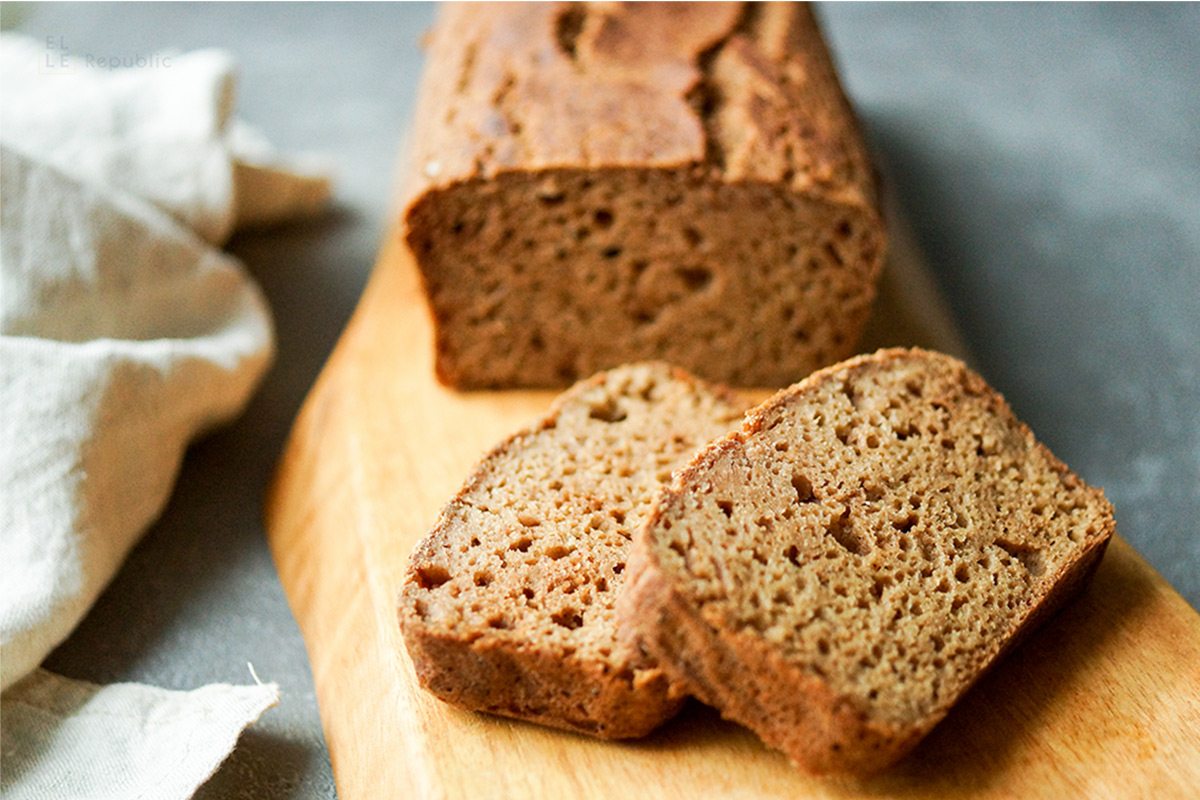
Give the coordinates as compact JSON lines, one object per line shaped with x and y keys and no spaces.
{"x":1048,"y":155}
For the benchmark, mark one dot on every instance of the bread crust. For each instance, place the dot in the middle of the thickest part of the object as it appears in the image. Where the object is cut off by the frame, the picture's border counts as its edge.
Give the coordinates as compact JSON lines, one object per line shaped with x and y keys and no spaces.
{"x":791,"y":706}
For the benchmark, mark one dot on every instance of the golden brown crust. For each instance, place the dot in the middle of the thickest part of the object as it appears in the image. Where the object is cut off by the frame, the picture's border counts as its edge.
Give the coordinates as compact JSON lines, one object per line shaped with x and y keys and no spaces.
{"x":754,"y":664}
{"x":533,"y":86}
{"x":507,"y":603}
{"x":681,"y":177}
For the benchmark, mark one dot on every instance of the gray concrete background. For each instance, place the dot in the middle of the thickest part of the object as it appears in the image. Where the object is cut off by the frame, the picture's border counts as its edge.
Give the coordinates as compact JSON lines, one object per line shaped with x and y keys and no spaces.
{"x":1048,"y":156}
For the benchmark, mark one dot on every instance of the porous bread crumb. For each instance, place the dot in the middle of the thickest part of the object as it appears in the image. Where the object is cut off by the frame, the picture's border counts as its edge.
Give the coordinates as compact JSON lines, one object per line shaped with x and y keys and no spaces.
{"x":839,"y":572}
{"x":508,"y":603}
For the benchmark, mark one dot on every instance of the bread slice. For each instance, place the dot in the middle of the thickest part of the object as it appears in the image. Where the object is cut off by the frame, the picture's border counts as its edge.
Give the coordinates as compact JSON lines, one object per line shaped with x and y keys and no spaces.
{"x":838,"y":573}
{"x":508,"y":603}
{"x":680,"y":176}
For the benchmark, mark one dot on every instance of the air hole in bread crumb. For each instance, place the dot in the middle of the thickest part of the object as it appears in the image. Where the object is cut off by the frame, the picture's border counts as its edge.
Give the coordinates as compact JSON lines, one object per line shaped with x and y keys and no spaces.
{"x":611,"y":252}
{"x":523,"y":544}
{"x":804,"y":488}
{"x":568,"y":618}
{"x":501,"y":622}
{"x":528,"y":520}
{"x":608,"y":411}
{"x":962,"y":573}
{"x":905,"y":525}
{"x":603,"y":218}
{"x":558,"y":551}
{"x":793,"y":555}
{"x":1029,"y":556}
{"x":483,"y":578}
{"x":726,"y":507}
{"x":692,"y":237}
{"x":695,"y":278}
{"x":432,"y":577}
{"x":567,"y":28}
{"x":842,"y":531}
{"x":843,"y":432}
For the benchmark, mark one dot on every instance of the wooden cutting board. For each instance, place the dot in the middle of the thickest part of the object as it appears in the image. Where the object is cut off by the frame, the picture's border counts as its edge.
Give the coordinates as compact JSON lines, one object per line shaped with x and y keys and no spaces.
{"x":1104,"y":702}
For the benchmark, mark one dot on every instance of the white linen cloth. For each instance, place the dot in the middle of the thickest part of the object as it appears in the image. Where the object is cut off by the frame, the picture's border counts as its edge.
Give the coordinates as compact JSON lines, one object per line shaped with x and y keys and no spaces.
{"x":120,"y":742}
{"x":124,"y":334}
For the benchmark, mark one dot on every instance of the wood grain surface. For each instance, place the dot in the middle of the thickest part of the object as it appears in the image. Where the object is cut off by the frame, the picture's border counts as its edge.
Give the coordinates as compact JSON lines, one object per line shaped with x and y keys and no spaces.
{"x":1104,"y":702}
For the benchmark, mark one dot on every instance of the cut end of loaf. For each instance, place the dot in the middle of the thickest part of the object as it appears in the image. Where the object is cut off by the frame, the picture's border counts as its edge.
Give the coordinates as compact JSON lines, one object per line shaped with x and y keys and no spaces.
{"x":508,"y":603}
{"x":861,"y":552}
{"x":600,"y":183}
{"x":537,"y":279}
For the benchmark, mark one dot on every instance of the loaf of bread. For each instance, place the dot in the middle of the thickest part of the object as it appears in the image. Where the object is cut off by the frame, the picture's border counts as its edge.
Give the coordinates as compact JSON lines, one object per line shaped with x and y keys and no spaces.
{"x":838,"y":573}
{"x":594,"y":184}
{"x":508,"y":604}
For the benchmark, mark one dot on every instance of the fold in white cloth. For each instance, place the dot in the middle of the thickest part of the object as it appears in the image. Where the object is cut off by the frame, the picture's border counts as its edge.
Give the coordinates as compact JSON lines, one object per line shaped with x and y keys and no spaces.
{"x":124,"y":333}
